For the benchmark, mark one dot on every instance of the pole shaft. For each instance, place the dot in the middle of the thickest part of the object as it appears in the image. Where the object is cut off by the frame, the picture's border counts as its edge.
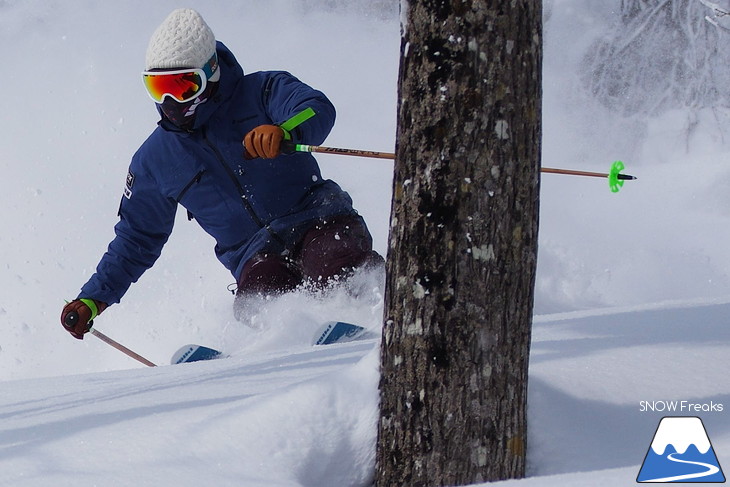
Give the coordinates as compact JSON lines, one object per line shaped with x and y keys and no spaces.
{"x":390,"y":155}
{"x":121,"y":348}
{"x":573,"y":172}
{"x":345,"y":152}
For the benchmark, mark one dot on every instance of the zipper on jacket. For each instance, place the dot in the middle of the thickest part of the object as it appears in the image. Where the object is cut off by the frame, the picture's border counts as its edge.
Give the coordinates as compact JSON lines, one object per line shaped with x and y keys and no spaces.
{"x":241,"y":192}
{"x":195,"y":180}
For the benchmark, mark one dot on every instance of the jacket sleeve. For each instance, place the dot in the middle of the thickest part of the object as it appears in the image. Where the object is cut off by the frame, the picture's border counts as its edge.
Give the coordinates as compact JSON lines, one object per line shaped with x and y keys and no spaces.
{"x":286,"y":96}
{"x":146,"y":218}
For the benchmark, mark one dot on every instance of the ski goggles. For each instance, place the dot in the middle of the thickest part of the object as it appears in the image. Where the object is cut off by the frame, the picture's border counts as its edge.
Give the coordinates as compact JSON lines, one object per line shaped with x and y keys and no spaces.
{"x":182,"y":85}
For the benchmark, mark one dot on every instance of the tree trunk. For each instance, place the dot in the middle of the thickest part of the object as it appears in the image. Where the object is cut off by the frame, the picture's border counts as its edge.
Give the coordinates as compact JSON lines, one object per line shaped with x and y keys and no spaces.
{"x":463,"y":244}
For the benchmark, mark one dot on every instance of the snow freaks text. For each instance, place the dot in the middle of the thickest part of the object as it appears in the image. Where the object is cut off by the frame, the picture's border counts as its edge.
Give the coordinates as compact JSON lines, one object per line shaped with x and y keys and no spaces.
{"x":680,"y":407}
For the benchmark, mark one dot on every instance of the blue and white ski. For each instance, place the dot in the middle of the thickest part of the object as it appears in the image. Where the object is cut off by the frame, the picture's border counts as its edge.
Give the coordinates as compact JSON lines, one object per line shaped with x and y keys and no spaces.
{"x":327,"y":334}
{"x":339,"y":332}
{"x":194,"y":353}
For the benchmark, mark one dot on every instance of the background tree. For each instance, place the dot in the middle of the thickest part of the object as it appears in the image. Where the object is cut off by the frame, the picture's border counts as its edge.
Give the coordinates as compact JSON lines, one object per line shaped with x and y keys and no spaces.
{"x":463,"y":243}
{"x":662,"y":55}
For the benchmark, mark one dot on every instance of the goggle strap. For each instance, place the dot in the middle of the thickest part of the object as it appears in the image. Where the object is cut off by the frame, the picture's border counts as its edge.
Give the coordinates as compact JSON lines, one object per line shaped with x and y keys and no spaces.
{"x":210,"y":67}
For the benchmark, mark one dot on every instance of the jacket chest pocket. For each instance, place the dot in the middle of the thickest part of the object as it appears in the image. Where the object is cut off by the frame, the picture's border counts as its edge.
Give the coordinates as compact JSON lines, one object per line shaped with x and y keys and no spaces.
{"x":186,"y":188}
{"x":189,"y":185}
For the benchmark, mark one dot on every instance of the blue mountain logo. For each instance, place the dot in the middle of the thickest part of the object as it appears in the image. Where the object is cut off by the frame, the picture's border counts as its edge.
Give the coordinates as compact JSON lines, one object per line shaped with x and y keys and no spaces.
{"x":681,"y":452}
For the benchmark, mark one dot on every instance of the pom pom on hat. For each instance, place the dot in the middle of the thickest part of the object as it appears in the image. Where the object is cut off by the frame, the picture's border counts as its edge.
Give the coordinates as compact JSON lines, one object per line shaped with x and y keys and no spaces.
{"x":183,"y":40}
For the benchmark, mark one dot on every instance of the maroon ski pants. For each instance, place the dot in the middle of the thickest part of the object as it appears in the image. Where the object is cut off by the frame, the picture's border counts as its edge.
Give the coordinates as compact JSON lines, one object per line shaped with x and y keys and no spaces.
{"x":329,"y":250}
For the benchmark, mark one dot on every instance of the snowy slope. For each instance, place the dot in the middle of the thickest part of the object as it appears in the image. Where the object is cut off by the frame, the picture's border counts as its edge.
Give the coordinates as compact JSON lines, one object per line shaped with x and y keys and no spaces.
{"x":300,"y":415}
{"x":633,"y":289}
{"x":272,"y":419}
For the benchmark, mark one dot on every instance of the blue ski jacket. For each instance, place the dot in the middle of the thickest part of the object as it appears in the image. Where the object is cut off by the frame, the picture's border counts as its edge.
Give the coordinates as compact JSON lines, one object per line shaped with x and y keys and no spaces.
{"x":247,"y":206}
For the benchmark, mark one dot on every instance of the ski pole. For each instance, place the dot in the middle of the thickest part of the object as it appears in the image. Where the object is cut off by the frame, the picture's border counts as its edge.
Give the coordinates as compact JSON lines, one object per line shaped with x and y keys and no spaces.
{"x":615,"y":178}
{"x":73,"y":317}
{"x":121,"y":347}
{"x":623,"y":177}
{"x":292,"y":147}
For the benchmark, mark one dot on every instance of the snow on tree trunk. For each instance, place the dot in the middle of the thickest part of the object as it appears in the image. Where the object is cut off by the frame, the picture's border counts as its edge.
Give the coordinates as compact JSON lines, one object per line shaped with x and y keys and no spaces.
{"x":463,"y":244}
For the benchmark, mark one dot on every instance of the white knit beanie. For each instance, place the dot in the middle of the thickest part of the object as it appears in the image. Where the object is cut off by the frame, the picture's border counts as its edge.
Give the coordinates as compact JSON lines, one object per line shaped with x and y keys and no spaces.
{"x":183,"y":40}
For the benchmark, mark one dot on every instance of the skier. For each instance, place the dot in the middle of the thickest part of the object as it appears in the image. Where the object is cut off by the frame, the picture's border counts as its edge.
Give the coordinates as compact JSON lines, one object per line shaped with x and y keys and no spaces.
{"x":217,"y":151}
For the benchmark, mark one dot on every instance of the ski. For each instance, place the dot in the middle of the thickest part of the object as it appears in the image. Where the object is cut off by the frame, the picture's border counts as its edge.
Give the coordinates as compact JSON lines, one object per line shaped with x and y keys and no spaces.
{"x":194,"y":353}
{"x":340,"y":332}
{"x":327,"y":334}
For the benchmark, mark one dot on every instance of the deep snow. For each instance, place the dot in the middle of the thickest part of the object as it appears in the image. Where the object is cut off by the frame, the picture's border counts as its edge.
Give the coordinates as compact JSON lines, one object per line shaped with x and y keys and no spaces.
{"x":633,"y":289}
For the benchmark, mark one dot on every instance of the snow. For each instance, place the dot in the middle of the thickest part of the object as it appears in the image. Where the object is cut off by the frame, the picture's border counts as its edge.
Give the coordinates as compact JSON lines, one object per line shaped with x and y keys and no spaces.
{"x":633,"y":289}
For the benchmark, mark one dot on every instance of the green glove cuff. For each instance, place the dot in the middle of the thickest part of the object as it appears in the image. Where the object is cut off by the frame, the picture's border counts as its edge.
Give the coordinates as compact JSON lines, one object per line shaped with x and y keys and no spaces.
{"x":296,"y":121}
{"x":92,"y":306}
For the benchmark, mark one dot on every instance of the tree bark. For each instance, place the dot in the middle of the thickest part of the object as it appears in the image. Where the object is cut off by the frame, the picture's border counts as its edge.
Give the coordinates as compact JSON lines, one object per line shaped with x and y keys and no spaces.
{"x":463,"y":244}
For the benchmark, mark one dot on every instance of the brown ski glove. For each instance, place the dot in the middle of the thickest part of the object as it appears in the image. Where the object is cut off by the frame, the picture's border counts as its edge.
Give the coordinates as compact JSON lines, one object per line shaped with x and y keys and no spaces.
{"x":264,"y":141}
{"x":78,"y":316}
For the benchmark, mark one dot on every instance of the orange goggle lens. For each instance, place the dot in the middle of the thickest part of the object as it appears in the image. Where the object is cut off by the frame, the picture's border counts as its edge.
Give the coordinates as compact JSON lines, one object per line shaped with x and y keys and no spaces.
{"x":182,"y":85}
